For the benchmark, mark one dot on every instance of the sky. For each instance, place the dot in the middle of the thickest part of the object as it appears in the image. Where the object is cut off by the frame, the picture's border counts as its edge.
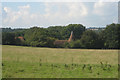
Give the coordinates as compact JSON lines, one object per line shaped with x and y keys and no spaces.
{"x":45,"y":14}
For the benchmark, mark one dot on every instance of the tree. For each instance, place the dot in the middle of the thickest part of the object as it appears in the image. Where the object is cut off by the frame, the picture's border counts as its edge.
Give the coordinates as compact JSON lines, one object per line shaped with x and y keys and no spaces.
{"x":55,"y":32}
{"x":77,"y":29}
{"x":112,"y":36}
{"x":8,"y":38}
{"x":90,"y":39}
{"x":38,"y":37}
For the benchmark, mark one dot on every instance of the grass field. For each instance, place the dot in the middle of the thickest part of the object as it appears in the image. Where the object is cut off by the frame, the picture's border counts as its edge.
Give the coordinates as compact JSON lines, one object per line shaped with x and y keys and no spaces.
{"x":32,"y":62}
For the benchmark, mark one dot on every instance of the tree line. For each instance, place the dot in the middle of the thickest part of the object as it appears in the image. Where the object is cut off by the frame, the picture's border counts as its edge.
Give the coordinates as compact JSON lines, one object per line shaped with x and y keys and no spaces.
{"x":108,"y":38}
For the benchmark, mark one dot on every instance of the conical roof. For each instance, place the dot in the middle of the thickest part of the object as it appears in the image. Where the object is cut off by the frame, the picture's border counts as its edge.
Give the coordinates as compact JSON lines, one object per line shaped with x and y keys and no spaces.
{"x":71,"y":37}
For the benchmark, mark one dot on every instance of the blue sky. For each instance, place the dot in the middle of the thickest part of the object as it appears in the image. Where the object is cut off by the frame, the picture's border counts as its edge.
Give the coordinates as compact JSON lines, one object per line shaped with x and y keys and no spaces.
{"x":44,"y":14}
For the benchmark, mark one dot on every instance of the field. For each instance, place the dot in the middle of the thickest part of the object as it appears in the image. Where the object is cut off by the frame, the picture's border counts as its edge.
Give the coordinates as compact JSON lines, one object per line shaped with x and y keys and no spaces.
{"x":32,"y":62}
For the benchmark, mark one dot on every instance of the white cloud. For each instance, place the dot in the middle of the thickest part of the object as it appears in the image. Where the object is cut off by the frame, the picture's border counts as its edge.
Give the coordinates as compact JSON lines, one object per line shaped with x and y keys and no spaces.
{"x":77,"y":10}
{"x":108,"y":11}
{"x":0,"y":9}
{"x":7,"y":9}
{"x":0,"y":15}
{"x":57,"y":0}
{"x":73,"y":9}
{"x":24,"y":7}
{"x":55,"y":13}
{"x":65,"y":12}
{"x":13,"y":16}
{"x":104,"y":8}
{"x":61,"y":14}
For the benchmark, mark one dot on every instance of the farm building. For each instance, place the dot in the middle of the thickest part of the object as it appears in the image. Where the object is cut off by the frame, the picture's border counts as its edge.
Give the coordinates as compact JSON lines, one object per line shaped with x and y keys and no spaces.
{"x":20,"y":37}
{"x":60,"y":42}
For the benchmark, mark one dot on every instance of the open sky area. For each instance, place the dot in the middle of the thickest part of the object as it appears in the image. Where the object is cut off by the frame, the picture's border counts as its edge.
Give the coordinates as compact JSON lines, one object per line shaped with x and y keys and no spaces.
{"x":45,"y":14}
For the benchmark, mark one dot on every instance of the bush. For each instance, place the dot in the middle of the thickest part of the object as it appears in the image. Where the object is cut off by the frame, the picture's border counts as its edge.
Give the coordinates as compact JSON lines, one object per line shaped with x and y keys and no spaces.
{"x":73,"y":44}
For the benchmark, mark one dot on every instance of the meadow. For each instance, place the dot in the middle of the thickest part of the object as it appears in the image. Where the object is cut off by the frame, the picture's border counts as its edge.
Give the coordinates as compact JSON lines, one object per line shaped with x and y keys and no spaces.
{"x":37,"y":62}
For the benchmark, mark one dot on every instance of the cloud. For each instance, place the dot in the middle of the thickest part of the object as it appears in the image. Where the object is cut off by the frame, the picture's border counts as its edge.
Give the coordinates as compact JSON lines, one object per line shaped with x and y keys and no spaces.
{"x":64,"y":13}
{"x":24,"y":7}
{"x":106,"y":11}
{"x":73,"y":9}
{"x":7,"y":9}
{"x":57,"y":0}
{"x":77,"y":10}
{"x":104,"y":8}
{"x":13,"y":16}
{"x":98,"y":13}
{"x":0,"y":15}
{"x":0,"y":9}
{"x":55,"y":13}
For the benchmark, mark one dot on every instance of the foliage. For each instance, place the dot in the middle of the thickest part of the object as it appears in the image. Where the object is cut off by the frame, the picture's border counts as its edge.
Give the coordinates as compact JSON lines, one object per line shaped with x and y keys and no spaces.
{"x":38,"y":37}
{"x":8,"y":38}
{"x":45,"y":37}
{"x":56,"y":32}
{"x":77,"y":29}
{"x":90,"y":39}
{"x":73,"y":44}
{"x":111,"y":35}
{"x":12,"y":30}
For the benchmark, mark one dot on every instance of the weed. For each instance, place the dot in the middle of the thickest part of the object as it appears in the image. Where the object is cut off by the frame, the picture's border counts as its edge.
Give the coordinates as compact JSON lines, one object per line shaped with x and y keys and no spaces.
{"x":83,"y":67}
{"x":21,"y":70}
{"x":101,"y":65}
{"x":40,"y":62}
{"x":90,"y":68}
{"x":98,"y":73}
{"x":3,"y":64}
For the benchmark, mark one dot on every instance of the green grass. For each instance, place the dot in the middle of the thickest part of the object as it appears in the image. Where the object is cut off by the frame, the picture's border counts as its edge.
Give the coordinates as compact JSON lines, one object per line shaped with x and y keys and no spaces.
{"x":32,"y":62}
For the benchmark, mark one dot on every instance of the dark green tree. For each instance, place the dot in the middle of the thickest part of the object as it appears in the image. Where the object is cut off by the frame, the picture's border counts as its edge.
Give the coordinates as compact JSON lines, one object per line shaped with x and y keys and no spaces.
{"x":77,"y":29}
{"x":111,"y":36}
{"x":90,"y":39}
{"x":55,"y":32}
{"x":8,"y":38}
{"x":38,"y":37}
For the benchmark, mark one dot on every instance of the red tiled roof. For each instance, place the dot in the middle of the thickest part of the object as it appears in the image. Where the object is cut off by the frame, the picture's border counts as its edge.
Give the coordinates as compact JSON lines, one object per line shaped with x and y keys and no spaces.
{"x":58,"y":42}
{"x":20,"y":37}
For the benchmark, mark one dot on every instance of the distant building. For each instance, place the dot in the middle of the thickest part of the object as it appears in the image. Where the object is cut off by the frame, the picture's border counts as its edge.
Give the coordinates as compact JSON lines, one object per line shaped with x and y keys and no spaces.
{"x":60,"y":42}
{"x":95,"y":28}
{"x":20,"y":37}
